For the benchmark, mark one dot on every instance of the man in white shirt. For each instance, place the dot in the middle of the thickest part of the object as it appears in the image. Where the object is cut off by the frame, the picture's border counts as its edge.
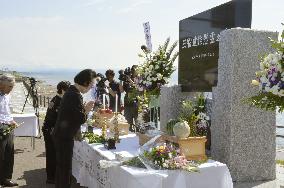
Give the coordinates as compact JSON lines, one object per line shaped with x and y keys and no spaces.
{"x":7,"y":83}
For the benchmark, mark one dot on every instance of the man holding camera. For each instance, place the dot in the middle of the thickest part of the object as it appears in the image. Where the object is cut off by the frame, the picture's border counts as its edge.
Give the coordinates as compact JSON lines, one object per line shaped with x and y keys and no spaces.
{"x":7,"y":124}
{"x":130,"y":102}
{"x":114,"y":89}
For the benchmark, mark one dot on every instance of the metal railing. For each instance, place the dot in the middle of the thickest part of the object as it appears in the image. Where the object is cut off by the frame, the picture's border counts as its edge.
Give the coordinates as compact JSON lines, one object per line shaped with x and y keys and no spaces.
{"x":278,"y":135}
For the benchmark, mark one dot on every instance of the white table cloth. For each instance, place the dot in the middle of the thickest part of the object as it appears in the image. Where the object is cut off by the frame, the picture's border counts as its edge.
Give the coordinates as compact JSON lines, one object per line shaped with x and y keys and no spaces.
{"x":86,"y":169}
{"x":29,"y":127}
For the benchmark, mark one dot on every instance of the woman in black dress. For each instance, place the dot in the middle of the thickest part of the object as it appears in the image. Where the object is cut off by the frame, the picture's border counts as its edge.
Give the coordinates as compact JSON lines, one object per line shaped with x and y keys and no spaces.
{"x":72,"y":114}
{"x":48,"y":126}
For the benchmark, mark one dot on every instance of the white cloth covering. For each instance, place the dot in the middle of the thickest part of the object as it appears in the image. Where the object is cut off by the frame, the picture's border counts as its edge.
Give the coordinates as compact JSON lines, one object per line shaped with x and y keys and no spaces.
{"x":29,"y":126}
{"x":86,"y":169}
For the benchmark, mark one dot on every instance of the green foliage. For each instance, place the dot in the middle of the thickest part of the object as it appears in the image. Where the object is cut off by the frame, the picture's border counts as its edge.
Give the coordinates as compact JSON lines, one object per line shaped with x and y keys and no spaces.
{"x":201,"y":102}
{"x":266,"y":101}
{"x":190,"y":112}
{"x":187,"y":110}
{"x":280,"y":162}
{"x":93,"y":138}
{"x":192,"y":124}
{"x":135,"y":162}
{"x":170,"y":125}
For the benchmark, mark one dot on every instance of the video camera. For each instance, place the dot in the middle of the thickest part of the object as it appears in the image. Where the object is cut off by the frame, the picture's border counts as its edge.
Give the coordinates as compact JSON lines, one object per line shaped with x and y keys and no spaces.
{"x":124,"y":74}
{"x":33,"y":81}
{"x":101,"y":84}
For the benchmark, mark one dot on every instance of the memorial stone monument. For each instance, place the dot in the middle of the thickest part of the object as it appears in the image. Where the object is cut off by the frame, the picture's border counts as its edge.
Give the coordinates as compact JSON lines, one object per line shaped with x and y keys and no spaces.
{"x":243,"y":137}
{"x":170,"y":103}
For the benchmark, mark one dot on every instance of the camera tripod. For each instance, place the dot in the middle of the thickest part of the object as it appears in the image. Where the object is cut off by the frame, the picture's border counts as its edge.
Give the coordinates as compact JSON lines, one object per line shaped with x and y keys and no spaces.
{"x":32,"y":92}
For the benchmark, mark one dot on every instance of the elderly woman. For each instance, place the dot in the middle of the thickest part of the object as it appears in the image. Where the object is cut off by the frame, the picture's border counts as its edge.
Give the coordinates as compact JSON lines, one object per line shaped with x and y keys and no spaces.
{"x":7,"y":83}
{"x":72,"y":114}
{"x":48,"y":126}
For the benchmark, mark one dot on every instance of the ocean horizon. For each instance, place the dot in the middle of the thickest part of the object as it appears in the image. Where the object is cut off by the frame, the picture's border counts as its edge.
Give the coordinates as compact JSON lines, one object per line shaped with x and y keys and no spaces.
{"x":53,"y":77}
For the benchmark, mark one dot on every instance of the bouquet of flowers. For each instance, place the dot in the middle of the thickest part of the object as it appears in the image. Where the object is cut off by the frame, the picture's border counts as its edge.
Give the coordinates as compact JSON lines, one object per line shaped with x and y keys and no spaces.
{"x":6,"y":129}
{"x":157,"y":67}
{"x":270,"y":79}
{"x":165,"y":156}
{"x":93,"y":138}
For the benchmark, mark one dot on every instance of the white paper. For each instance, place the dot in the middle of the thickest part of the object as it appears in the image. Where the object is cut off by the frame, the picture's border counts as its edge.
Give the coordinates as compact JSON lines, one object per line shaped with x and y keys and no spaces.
{"x":146,"y":26}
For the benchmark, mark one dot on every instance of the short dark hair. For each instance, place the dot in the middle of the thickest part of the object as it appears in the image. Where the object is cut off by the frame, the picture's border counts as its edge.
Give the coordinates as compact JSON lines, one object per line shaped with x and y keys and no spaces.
{"x":110,"y":72}
{"x":63,"y":86}
{"x":85,"y":77}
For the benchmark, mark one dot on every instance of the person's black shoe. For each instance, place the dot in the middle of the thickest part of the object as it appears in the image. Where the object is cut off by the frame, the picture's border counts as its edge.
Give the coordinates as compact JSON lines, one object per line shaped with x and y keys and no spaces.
{"x":50,"y":181}
{"x":9,"y":183}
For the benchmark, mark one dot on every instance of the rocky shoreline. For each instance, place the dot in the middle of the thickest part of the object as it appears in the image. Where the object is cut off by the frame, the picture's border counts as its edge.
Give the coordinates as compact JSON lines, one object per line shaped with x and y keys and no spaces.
{"x":41,"y":86}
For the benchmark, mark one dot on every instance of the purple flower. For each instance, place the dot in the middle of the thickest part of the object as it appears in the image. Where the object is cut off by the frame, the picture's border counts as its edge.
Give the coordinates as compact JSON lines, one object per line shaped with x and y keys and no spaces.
{"x":281,"y":85}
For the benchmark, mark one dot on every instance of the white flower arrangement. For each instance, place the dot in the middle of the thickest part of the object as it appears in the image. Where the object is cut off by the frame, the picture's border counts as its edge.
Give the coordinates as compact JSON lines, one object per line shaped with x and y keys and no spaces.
{"x":202,"y":120}
{"x":271,"y":75}
{"x":157,"y":67}
{"x":270,"y":80}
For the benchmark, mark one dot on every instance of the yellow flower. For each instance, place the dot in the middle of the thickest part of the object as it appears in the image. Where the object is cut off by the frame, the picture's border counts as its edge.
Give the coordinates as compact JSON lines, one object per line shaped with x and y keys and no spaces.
{"x":255,"y":82}
{"x":162,"y":148}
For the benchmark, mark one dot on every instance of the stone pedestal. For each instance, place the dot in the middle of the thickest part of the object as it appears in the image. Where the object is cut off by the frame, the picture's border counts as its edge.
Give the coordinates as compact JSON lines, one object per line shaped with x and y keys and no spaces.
{"x":170,"y":103}
{"x":243,"y":137}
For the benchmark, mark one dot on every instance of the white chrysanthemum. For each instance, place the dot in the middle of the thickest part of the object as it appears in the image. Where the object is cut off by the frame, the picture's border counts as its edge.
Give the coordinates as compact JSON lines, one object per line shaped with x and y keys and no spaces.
{"x":157,"y":67}
{"x":151,"y":67}
{"x":261,"y":65}
{"x":165,"y":165}
{"x":266,"y":59}
{"x":274,"y":89}
{"x":159,"y":76}
{"x":263,"y":79}
{"x":281,"y":93}
{"x":279,"y":67}
{"x":273,"y":59}
{"x":146,"y":74}
{"x":267,"y":88}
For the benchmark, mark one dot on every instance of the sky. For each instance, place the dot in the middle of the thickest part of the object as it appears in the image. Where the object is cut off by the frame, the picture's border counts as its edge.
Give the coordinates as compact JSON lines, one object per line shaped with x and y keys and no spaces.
{"x":40,"y":35}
